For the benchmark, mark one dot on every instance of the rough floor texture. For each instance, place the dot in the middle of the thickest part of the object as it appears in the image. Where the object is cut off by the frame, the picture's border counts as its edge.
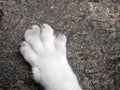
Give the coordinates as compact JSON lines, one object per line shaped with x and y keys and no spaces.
{"x":93,"y":31}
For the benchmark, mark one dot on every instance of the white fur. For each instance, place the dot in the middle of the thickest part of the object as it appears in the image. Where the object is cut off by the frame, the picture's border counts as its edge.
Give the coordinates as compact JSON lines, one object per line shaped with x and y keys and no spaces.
{"x":47,"y":56}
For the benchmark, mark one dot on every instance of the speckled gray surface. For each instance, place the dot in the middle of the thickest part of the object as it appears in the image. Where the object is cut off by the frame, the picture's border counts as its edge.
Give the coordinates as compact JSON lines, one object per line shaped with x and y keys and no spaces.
{"x":93,"y":31}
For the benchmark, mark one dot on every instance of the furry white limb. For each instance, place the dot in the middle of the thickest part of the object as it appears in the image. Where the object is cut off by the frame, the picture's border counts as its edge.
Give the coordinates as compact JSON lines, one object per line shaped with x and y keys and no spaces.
{"x":46,"y":54}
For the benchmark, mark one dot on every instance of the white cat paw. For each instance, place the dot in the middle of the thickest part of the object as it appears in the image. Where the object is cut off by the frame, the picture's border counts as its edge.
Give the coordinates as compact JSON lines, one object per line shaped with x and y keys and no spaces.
{"x":46,"y":53}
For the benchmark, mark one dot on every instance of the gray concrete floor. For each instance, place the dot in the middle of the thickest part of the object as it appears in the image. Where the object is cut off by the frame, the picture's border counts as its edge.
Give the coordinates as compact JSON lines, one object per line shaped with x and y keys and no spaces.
{"x":93,"y":31}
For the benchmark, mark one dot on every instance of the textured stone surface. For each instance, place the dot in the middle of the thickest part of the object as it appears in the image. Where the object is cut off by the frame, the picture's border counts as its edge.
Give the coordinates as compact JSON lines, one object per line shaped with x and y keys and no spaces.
{"x":93,"y":31}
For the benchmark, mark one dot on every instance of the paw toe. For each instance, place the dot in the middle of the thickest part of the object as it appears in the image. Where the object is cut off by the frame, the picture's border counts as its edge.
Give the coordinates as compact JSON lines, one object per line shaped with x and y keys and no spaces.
{"x":35,"y":27}
{"x":47,"y":29}
{"x":47,"y":36}
{"x":61,"y":38}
